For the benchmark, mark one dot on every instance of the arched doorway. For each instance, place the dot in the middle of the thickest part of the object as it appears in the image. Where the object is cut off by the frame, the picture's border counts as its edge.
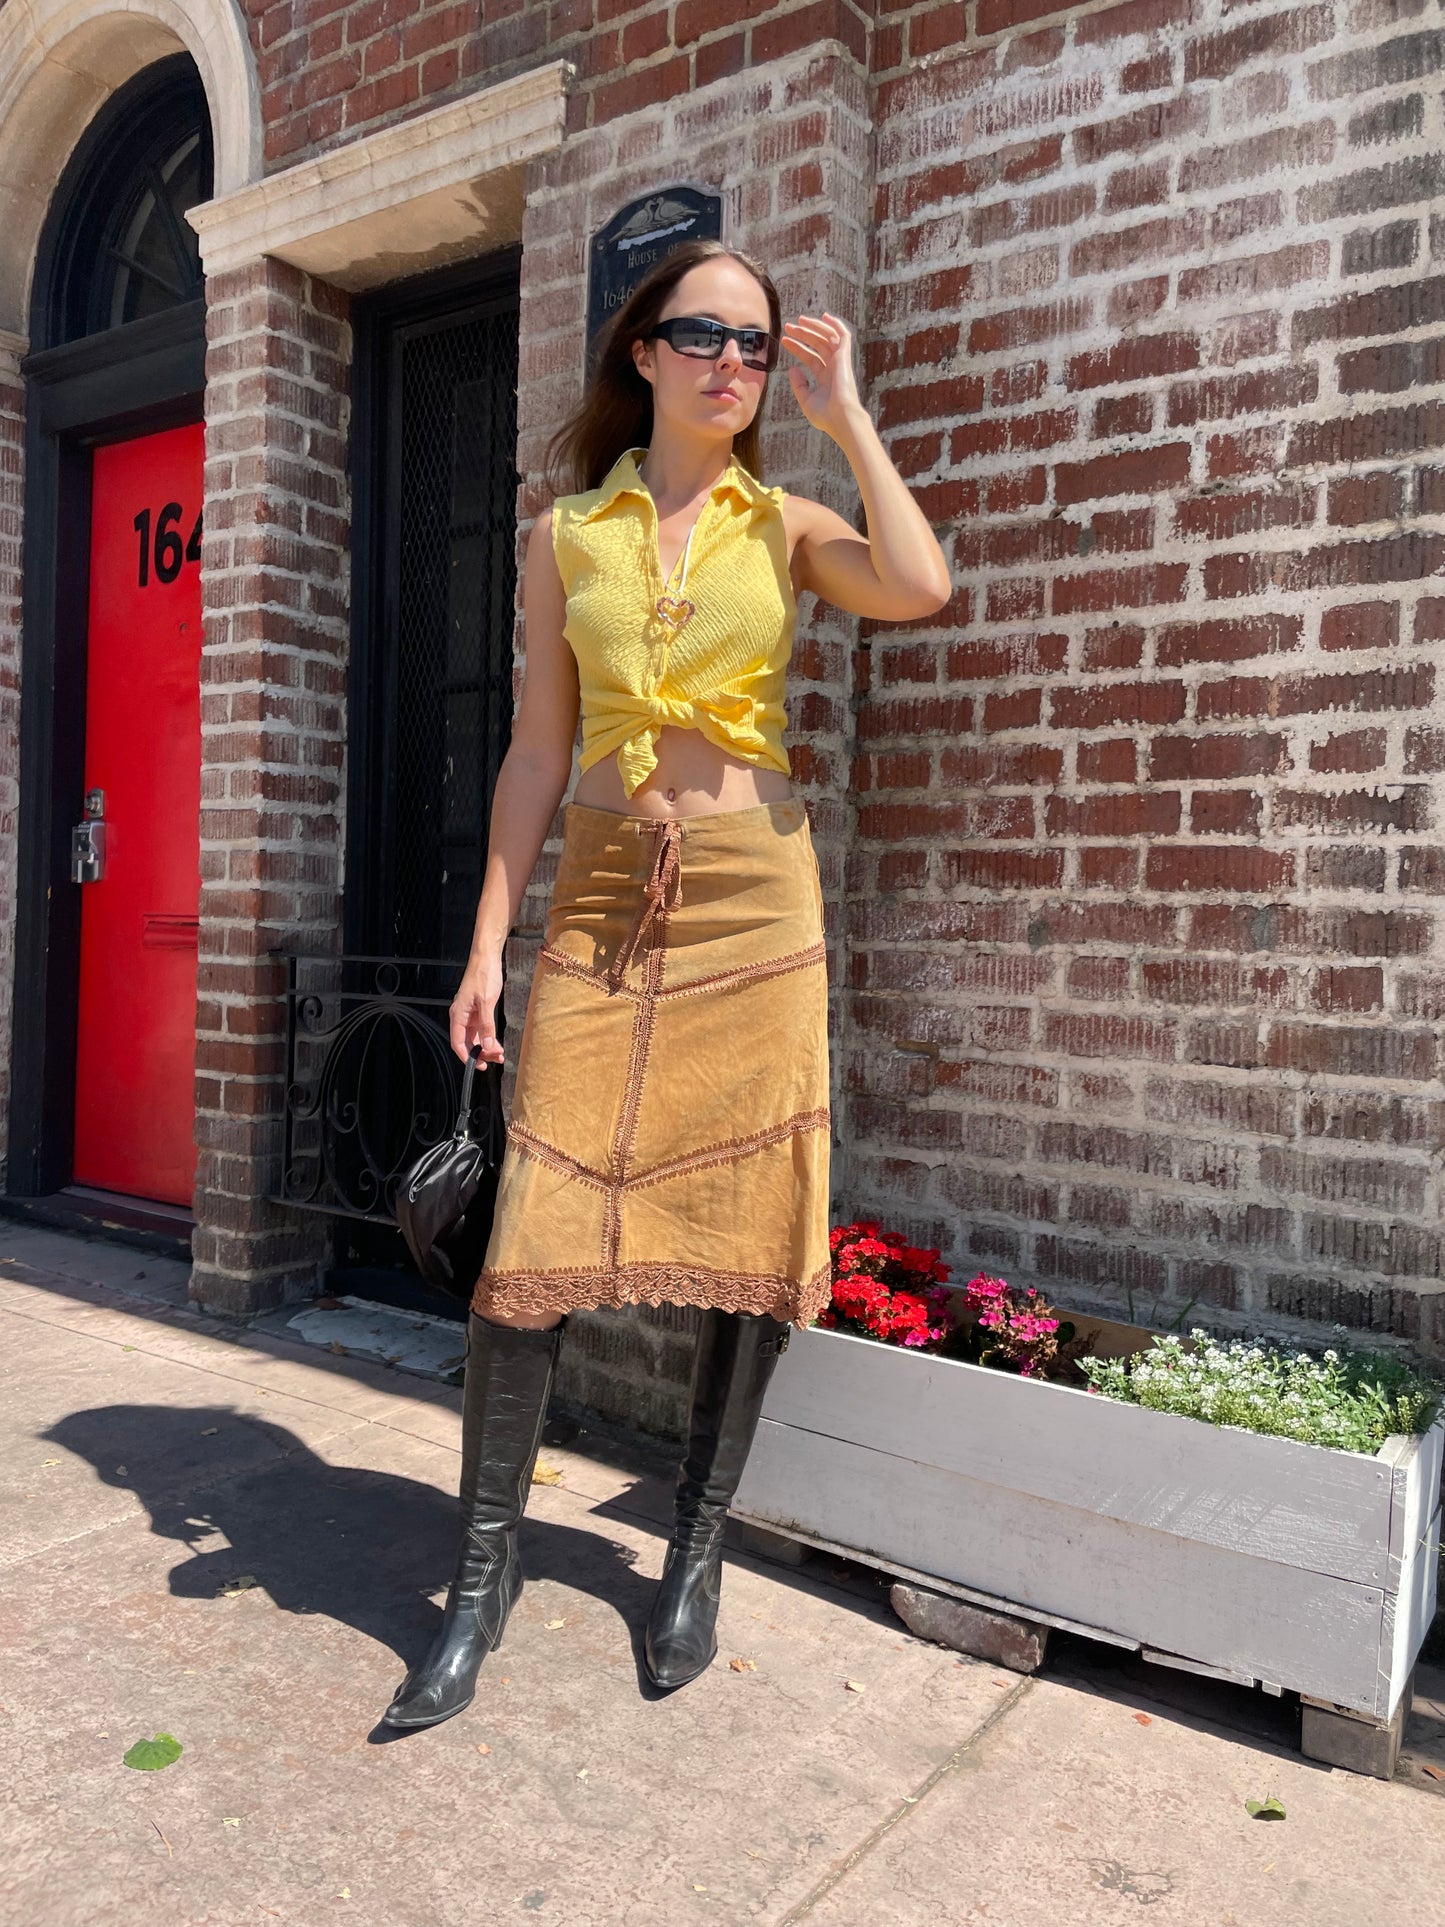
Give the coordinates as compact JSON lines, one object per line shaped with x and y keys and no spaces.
{"x":102,"y":1102}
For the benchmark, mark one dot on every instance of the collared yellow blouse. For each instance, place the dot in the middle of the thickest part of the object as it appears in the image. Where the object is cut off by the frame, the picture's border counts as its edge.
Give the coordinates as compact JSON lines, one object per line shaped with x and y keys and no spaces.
{"x":723,"y":672}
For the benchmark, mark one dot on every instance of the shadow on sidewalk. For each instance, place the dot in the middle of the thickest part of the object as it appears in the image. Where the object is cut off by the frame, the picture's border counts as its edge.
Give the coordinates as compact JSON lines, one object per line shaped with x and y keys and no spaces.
{"x":362,"y":1547}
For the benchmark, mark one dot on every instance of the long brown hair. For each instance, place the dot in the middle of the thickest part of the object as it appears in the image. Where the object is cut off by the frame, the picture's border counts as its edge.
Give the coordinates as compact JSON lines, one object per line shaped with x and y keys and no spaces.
{"x":615,"y":412}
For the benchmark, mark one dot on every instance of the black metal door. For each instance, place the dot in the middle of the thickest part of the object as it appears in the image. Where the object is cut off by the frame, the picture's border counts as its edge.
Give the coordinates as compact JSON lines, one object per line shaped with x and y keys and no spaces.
{"x":437,"y":615}
{"x":371,"y":1080}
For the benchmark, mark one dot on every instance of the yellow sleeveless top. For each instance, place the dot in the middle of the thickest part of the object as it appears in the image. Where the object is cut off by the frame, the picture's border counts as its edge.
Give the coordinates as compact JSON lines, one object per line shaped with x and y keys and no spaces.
{"x":724,"y":671}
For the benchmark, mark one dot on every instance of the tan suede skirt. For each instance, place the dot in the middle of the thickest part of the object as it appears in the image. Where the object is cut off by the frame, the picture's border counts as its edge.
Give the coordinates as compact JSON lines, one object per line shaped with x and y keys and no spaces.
{"x":668,"y":1138}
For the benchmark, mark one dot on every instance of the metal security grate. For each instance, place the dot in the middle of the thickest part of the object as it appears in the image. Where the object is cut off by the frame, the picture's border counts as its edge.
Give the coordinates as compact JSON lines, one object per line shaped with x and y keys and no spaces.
{"x":449,"y":610}
{"x":371,"y":1079}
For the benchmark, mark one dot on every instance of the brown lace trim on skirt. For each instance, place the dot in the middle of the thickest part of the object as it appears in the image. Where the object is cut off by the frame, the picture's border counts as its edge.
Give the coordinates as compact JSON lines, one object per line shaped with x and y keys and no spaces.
{"x":588,"y":1287}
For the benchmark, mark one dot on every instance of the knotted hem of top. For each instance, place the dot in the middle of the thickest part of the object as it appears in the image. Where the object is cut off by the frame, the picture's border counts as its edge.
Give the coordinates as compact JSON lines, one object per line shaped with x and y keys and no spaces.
{"x":504,"y":1294}
{"x":635,"y":751}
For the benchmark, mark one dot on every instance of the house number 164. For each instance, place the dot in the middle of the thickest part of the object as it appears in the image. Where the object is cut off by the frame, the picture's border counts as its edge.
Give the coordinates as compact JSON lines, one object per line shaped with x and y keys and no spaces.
{"x":168,"y":552}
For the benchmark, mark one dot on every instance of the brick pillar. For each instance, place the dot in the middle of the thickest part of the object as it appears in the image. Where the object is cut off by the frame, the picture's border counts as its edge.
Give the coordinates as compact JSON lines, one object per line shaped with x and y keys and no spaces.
{"x":12,"y":483}
{"x":273,"y":730}
{"x":786,"y":144}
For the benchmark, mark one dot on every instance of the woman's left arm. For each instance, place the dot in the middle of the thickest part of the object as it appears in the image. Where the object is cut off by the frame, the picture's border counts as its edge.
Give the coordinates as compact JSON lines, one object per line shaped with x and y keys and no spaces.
{"x":898,"y":571}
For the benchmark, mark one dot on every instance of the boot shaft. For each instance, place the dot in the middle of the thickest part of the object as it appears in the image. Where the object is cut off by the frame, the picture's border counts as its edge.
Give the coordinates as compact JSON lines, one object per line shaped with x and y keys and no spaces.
{"x":507,"y":1384}
{"x":737,"y":1353}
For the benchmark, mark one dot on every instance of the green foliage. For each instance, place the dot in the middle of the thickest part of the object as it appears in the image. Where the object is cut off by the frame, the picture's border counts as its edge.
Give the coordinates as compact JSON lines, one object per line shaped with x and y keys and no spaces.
{"x":149,"y":1756}
{"x":1352,"y":1401}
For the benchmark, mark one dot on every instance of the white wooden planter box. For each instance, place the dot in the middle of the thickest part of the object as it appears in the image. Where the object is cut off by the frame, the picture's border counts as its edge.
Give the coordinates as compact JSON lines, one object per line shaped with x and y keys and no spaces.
{"x":1256,"y":1558}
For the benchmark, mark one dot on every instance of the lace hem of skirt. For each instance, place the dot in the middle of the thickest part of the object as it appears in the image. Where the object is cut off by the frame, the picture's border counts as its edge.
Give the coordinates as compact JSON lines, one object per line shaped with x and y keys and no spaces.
{"x":587,"y":1288}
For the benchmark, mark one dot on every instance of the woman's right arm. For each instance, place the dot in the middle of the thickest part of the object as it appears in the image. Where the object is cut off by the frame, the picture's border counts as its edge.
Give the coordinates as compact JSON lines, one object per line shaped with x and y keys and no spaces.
{"x":529,"y":788}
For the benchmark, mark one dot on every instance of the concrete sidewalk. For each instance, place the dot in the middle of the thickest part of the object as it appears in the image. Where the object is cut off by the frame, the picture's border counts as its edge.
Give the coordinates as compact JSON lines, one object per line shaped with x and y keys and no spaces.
{"x":217,"y":1533}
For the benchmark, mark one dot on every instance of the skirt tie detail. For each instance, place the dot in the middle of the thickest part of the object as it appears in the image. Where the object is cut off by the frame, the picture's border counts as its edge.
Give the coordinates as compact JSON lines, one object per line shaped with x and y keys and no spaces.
{"x":661,"y":892}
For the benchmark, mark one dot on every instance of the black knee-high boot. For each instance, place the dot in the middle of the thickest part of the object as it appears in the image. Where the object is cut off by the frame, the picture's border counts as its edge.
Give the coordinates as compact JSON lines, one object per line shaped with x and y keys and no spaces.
{"x":504,"y":1401}
{"x":736,"y":1354}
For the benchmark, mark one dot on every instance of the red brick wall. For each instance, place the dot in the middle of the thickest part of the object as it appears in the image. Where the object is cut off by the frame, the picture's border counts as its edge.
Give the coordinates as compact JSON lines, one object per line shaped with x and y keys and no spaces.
{"x":333,"y":69}
{"x":274,"y":578}
{"x":1145,"y":981}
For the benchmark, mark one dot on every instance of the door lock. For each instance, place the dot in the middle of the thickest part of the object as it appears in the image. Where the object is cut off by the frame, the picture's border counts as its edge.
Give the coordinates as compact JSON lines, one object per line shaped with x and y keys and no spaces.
{"x":87,"y":841}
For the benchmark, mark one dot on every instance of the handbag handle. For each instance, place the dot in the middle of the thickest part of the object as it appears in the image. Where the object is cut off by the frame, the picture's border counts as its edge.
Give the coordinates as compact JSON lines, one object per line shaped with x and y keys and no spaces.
{"x":463,"y":1126}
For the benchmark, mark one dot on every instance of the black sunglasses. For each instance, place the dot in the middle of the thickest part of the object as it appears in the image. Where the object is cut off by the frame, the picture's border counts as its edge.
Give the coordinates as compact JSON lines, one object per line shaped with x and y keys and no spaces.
{"x":700,"y":336}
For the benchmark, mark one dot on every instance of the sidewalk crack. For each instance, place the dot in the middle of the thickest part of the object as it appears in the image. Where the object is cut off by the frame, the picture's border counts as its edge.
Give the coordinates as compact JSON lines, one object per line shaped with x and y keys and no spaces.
{"x":908,"y":1804}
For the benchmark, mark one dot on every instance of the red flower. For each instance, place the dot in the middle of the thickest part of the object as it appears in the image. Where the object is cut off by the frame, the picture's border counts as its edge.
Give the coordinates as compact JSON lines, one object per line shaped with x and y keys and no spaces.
{"x":885,"y":1287}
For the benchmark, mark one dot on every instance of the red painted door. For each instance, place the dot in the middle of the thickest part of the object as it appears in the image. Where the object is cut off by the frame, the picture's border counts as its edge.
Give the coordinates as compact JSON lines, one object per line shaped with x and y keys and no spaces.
{"x":136,"y":1044}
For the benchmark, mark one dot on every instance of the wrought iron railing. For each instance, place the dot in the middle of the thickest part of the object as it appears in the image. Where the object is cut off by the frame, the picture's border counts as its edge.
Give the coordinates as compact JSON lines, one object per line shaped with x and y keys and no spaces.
{"x":371,"y":1078}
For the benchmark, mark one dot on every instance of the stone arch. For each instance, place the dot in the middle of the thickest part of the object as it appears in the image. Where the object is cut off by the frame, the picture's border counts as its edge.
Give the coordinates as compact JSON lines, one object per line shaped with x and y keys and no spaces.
{"x":61,"y":60}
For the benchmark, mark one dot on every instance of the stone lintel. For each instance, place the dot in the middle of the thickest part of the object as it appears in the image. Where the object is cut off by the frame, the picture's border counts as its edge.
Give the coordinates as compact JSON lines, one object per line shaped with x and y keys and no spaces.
{"x":441,"y":186}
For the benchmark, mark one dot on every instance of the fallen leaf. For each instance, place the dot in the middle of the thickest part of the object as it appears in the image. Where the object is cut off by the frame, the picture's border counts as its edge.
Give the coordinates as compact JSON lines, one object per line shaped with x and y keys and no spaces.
{"x":582,"y":1773}
{"x":337,"y":1347}
{"x":743,"y":1665}
{"x":230,"y":1823}
{"x":1144,"y":1719}
{"x":50,"y":1461}
{"x":482,"y":1747}
{"x":168,"y":1847}
{"x":697,"y":1889}
{"x":149,"y":1756}
{"x":855,"y":1686}
{"x":345,"y":1894}
{"x":210,"y":1431}
{"x":1269,"y":1809}
{"x":544,"y":1474}
{"x":551,"y":1625}
{"x":120,"y":1472}
{"x":242,"y":1584}
{"x":127,"y":1348}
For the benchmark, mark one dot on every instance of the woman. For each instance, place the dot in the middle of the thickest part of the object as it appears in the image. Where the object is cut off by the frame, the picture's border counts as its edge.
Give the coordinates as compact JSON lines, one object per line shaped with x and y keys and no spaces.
{"x":668,"y":1137}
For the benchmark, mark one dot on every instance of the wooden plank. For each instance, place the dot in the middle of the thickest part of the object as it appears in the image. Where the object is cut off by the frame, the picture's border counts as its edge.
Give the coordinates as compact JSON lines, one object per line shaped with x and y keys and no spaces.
{"x":1415,"y":1526}
{"x":968,"y":1593}
{"x":1298,"y":1505}
{"x":1304,"y":1629}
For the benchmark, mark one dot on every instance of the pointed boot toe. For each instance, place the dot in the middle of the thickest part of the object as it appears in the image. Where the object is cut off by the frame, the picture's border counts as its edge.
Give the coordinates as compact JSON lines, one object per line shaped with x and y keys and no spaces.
{"x":446,"y":1680}
{"x":430,"y":1702}
{"x":681,"y":1637}
{"x":674,"y":1659}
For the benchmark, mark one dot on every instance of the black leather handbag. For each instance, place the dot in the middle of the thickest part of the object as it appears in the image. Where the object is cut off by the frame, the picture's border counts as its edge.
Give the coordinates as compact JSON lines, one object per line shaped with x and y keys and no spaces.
{"x":444,"y":1202}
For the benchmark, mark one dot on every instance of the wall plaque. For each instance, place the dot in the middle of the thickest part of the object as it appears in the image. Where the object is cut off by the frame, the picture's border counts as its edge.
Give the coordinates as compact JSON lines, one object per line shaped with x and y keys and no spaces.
{"x":635,"y":239}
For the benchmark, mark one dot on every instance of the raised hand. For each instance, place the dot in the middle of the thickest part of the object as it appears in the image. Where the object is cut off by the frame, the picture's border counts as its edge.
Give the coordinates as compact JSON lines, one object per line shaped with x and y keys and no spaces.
{"x":822,"y":376}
